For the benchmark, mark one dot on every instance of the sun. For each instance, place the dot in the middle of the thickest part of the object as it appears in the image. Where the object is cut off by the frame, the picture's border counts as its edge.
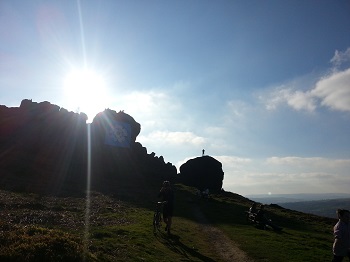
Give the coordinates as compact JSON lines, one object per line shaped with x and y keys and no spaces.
{"x":85,"y":91}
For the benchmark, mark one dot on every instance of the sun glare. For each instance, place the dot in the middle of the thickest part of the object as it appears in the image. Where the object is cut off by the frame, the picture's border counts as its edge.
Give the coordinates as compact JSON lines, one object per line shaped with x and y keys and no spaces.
{"x":85,"y":91}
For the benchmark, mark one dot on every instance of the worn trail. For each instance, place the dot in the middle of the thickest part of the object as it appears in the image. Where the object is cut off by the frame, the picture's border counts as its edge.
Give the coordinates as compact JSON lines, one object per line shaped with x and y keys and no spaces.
{"x":223,"y":245}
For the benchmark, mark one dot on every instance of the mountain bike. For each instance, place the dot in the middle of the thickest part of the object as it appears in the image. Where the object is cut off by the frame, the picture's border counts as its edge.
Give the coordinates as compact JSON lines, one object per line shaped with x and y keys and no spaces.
{"x":157,"y":217}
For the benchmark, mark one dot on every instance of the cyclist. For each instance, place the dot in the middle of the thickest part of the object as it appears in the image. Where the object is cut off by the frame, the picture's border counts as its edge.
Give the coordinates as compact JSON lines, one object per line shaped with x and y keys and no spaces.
{"x":167,"y":195}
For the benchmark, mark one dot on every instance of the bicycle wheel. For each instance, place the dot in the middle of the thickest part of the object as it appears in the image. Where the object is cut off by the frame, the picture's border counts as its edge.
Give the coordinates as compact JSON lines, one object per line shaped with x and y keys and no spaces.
{"x":155,"y":219}
{"x":159,"y":221}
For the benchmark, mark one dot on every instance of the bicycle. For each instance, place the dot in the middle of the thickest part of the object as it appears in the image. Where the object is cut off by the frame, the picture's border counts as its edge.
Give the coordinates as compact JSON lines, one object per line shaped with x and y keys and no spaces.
{"x":157,"y":217}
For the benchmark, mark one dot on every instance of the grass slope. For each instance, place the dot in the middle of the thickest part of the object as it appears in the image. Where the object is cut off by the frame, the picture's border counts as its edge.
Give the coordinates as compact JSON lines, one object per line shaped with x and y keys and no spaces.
{"x":304,"y":237}
{"x":119,"y":228}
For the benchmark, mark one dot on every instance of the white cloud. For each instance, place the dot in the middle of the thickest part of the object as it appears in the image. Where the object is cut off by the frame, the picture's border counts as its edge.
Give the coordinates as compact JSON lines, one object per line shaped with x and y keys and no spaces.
{"x":298,"y":100}
{"x":174,"y":138}
{"x":340,"y":57}
{"x":152,"y":109}
{"x":331,"y":91}
{"x":315,"y":161}
{"x":147,"y":103}
{"x":310,"y":164}
{"x":301,"y":101}
{"x":215,"y":131}
{"x":334,"y":91}
{"x":232,"y":161}
{"x":286,"y":175}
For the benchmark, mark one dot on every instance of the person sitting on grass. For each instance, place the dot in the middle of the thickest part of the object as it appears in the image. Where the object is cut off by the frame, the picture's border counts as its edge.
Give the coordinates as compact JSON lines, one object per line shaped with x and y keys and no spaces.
{"x":341,"y":245}
{"x":251,"y":214}
{"x":167,"y":195}
{"x":264,"y":221}
{"x":253,"y":209}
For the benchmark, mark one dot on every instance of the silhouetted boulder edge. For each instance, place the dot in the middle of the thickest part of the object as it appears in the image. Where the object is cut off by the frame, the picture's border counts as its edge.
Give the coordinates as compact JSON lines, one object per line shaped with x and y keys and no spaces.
{"x":47,"y":149}
{"x":203,"y":172}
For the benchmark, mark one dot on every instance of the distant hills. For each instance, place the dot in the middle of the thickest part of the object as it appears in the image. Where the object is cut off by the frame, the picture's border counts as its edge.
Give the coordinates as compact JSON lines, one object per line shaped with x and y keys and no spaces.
{"x":287,"y":198}
{"x":325,"y":208}
{"x":317,"y":204}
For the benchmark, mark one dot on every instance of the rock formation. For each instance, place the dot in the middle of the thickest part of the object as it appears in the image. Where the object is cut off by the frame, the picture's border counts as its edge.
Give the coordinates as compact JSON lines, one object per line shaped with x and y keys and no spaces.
{"x":46,"y":149}
{"x":203,"y":172}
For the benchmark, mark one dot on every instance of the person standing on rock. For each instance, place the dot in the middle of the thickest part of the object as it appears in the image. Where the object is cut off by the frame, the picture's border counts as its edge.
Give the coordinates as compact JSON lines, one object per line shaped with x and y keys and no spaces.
{"x":341,"y":245}
{"x":167,"y":195}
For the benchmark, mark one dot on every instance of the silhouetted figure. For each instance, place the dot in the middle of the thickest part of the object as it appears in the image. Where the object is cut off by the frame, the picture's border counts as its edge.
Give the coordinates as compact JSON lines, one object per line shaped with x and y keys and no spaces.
{"x":341,"y":245}
{"x":203,"y":152}
{"x":264,"y":221}
{"x":251,"y":214}
{"x":253,"y":209}
{"x":167,"y":194}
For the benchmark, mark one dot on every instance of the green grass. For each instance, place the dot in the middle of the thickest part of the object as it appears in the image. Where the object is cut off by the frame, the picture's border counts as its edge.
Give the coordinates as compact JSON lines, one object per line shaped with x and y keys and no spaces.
{"x":304,"y":237}
{"x":38,"y":228}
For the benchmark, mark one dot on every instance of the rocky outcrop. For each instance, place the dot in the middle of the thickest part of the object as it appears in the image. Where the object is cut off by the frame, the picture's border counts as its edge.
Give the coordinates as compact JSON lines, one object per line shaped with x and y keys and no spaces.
{"x":128,"y":163}
{"x":203,"y":173}
{"x":47,"y":149}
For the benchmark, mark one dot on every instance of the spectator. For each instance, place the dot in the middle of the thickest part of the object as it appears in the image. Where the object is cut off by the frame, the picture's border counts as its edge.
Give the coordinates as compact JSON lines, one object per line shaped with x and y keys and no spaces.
{"x":264,"y":221}
{"x":253,"y":209}
{"x":341,"y":245}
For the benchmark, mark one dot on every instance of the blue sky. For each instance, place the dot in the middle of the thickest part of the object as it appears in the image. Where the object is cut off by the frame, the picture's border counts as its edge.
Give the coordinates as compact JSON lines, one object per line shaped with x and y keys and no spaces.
{"x":262,"y":86}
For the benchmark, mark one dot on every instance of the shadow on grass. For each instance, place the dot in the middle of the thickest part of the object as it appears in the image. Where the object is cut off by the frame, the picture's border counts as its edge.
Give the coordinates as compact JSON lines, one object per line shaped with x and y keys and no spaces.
{"x":174,"y":243}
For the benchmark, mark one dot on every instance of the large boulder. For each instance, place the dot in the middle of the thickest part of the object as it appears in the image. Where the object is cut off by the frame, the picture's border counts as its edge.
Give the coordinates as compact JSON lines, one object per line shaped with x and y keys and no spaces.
{"x":203,"y":173}
{"x":103,"y":121}
{"x":117,"y":160}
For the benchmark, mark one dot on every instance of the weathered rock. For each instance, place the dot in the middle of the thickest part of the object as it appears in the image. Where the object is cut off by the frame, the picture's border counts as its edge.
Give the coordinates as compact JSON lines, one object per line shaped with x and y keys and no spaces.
{"x":45,"y":149}
{"x":203,"y":173}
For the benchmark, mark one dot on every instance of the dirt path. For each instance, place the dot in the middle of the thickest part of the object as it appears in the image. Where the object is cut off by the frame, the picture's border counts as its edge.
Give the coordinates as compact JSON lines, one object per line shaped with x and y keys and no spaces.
{"x":228,"y":250}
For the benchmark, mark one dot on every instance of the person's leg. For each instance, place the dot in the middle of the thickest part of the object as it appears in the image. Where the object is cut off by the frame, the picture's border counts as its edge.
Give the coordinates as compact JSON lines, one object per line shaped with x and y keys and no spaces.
{"x":166,"y":217}
{"x":166,"y":221}
{"x":169,"y":224}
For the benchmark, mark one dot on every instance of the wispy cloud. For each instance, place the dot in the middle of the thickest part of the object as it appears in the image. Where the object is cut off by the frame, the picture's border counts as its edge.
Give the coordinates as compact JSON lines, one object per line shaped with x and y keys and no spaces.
{"x":340,"y":57}
{"x":147,"y":103}
{"x":174,"y":138}
{"x":334,"y":91}
{"x":331,"y":90}
{"x":233,"y":161}
{"x":310,"y":164}
{"x":296,"y":99}
{"x":285,"y":174}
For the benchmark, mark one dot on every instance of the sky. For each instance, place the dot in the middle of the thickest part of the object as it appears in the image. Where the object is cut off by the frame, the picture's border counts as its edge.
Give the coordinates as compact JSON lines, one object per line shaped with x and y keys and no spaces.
{"x":262,"y":86}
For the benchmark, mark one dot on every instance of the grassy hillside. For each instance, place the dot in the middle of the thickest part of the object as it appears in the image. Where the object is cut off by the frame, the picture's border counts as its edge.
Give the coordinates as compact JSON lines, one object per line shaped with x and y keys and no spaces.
{"x":119,"y":228}
{"x":304,"y":237}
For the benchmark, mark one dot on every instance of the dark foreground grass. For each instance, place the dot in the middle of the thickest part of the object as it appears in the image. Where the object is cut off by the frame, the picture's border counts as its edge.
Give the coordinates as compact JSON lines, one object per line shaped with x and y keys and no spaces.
{"x":37,"y":228}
